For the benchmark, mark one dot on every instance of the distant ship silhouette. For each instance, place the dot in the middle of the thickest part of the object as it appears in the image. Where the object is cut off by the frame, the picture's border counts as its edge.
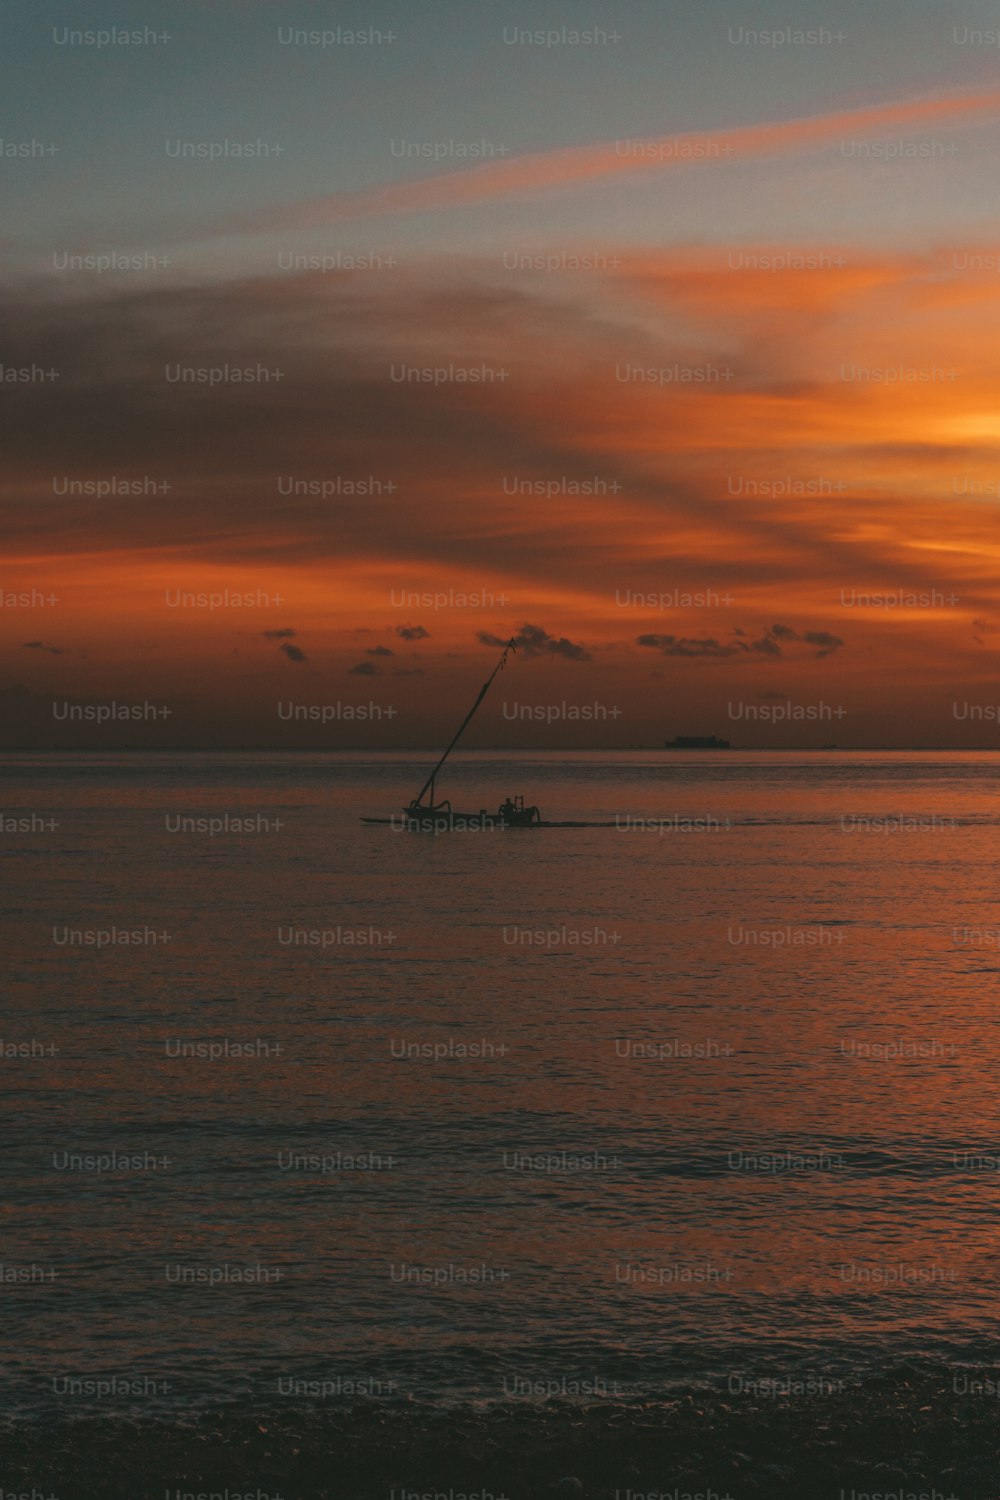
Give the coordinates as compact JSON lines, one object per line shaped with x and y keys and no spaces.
{"x":696,"y":742}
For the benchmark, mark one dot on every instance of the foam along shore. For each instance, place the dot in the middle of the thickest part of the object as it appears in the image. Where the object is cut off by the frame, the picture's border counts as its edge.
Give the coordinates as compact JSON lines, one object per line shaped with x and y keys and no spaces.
{"x":906,"y":1434}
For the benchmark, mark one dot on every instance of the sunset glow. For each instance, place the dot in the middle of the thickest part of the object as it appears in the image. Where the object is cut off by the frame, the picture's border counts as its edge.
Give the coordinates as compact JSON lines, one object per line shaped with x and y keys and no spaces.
{"x":529,"y":390}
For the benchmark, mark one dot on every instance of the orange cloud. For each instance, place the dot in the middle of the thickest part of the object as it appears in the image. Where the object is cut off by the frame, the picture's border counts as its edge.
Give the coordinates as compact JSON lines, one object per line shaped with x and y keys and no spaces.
{"x":776,"y":490}
{"x":569,"y":166}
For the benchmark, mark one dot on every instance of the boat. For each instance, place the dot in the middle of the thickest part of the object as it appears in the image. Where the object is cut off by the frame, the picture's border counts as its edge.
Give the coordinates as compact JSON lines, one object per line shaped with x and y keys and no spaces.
{"x":696,"y":742}
{"x":424,"y":815}
{"x":443,"y":818}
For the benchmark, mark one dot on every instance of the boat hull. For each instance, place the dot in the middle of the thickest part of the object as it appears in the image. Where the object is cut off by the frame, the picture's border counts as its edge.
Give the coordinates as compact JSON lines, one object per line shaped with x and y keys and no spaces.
{"x":402,"y":824}
{"x":448,"y":820}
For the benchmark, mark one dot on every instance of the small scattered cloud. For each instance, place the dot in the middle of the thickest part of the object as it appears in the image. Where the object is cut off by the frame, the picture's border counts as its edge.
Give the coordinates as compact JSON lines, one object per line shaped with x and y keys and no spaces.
{"x":278,"y":635}
{"x":533,"y":640}
{"x":828,"y":643}
{"x":380,"y":651}
{"x":294,"y":653}
{"x":413,"y":632}
{"x":771,"y":643}
{"x":363,"y":669}
{"x":43,"y":646}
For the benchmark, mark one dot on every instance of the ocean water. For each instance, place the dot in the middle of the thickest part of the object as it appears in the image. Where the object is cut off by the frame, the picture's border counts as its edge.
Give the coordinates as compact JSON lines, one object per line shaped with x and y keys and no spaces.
{"x":706,"y":1097}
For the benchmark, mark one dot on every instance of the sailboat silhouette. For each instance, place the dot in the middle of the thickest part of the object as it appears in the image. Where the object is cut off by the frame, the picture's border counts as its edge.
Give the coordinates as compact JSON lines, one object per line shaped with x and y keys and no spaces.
{"x":428,"y":816}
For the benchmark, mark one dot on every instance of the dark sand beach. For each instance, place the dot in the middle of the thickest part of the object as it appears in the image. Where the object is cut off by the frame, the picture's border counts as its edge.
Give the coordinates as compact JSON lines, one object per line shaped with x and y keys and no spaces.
{"x":906,"y":1435}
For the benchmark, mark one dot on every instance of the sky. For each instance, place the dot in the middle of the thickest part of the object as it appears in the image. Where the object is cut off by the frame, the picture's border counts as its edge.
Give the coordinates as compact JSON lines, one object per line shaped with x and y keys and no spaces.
{"x":344,"y":342}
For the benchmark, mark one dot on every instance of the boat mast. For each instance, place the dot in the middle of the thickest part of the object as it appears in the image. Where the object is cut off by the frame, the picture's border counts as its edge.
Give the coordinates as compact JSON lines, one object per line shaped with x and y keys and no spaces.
{"x":462,"y":727}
